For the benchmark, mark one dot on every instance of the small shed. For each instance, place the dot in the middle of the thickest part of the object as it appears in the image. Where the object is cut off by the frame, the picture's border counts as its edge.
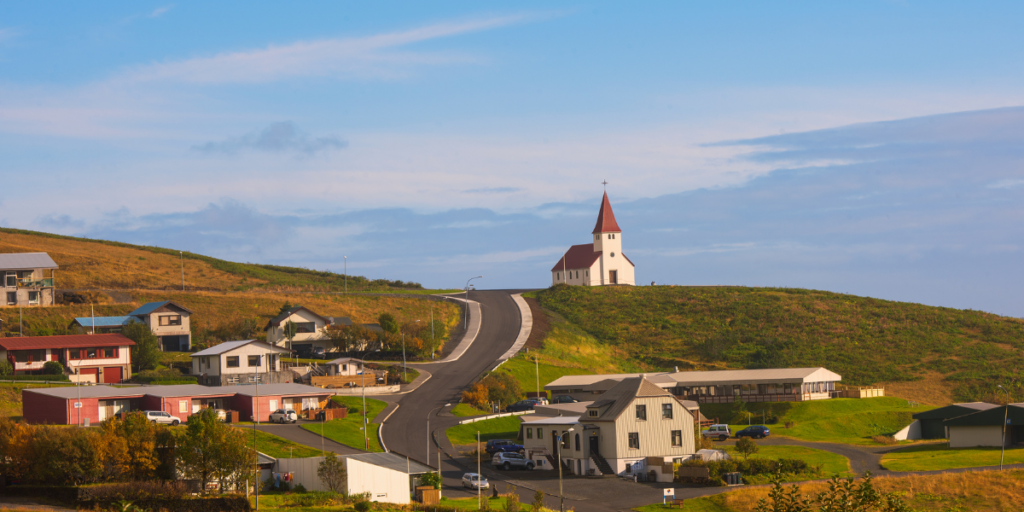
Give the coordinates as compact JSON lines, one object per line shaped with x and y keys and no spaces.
{"x":931,"y":421}
{"x":985,"y":428}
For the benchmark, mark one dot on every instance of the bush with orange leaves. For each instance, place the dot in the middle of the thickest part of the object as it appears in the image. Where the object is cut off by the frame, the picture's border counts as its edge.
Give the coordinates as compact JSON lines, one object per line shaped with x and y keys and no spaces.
{"x":499,"y":388}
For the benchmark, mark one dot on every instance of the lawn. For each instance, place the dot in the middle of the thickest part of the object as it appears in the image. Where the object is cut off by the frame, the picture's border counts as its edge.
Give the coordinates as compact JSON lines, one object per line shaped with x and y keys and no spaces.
{"x":348,"y":431}
{"x":931,"y":457}
{"x":981,"y":491}
{"x":320,"y":501}
{"x":462,"y":410}
{"x":831,"y":463}
{"x":866,"y":340}
{"x":840,"y":420}
{"x":496,"y":428}
{"x":277,"y":447}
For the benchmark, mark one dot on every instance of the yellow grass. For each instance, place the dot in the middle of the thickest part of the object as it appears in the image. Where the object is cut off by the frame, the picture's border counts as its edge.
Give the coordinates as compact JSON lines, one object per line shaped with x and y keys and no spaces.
{"x":975,"y":491}
{"x":932,"y":389}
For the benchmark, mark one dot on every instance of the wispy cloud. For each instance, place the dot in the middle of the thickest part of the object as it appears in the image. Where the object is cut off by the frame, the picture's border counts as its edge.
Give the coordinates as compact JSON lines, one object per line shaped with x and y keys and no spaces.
{"x":160,"y":11}
{"x":1007,"y":184}
{"x":340,"y":58}
{"x":492,"y":190}
{"x":8,"y":33}
{"x":278,"y":137}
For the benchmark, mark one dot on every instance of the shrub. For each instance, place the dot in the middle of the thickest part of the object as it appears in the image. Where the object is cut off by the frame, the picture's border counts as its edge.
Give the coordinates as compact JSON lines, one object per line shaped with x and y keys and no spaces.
{"x":886,"y":440}
{"x":512,"y":500}
{"x":790,"y":424}
{"x":6,"y":369}
{"x":362,"y":506}
{"x":134,"y":491}
{"x":300,"y":488}
{"x":747,"y":447}
{"x":538,"y":501}
{"x":53,"y":368}
{"x":432,"y":479}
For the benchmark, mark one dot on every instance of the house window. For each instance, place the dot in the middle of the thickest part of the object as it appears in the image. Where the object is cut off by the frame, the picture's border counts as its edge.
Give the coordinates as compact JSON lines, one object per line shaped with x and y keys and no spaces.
{"x":529,"y":433}
{"x":11,"y":280}
{"x":540,"y":433}
{"x":641,"y":412}
{"x":170,"y":320}
{"x":183,"y":406}
{"x":232,"y":362}
{"x":305,"y":327}
{"x":12,"y":298}
{"x":666,"y":411}
{"x":344,"y":367}
{"x":634,"y":440}
{"x":565,"y":441}
{"x":677,"y":438}
{"x":592,"y":413}
{"x":90,"y":353}
{"x":74,"y":354}
{"x":577,"y":442}
{"x":254,"y":361}
{"x":110,"y":352}
{"x":33,"y":297}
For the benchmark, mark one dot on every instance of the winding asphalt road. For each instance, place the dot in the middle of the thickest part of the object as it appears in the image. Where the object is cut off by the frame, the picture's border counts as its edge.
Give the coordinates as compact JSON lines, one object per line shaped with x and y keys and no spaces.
{"x":405,"y":431}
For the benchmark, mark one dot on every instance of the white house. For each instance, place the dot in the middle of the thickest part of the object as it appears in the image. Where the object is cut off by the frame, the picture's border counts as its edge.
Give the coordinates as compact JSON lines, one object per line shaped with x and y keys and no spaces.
{"x":385,"y":477}
{"x":344,"y":366}
{"x":302,"y":327}
{"x":598,"y":263}
{"x":240,"y":362}
{"x":633,"y":428}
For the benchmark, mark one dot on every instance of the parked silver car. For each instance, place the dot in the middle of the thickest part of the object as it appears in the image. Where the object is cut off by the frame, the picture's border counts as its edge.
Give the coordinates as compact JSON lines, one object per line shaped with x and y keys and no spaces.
{"x":284,"y":416}
{"x":718,"y":431}
{"x":475,"y":481}
{"x":164,"y":418}
{"x":509,"y":460}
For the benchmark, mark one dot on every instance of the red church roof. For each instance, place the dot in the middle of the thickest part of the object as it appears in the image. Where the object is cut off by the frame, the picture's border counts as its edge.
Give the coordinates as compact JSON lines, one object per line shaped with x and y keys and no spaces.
{"x":606,"y":219}
{"x":578,"y":256}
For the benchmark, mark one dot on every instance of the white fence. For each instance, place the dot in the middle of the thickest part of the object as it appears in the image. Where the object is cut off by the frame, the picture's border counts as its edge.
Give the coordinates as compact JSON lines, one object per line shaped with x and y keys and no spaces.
{"x":491,"y":416}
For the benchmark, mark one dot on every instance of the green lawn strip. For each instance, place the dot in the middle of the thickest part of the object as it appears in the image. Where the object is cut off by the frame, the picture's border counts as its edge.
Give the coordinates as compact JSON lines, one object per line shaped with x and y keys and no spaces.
{"x":348,"y":431}
{"x":931,"y":457}
{"x":462,"y":409}
{"x":493,"y":503}
{"x":496,"y":428}
{"x":278,"y":447}
{"x":705,"y":504}
{"x":831,"y":463}
{"x":839,"y":420}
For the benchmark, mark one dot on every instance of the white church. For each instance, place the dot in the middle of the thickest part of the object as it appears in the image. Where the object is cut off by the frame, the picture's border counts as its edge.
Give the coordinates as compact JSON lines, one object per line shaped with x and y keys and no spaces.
{"x":600,"y":263}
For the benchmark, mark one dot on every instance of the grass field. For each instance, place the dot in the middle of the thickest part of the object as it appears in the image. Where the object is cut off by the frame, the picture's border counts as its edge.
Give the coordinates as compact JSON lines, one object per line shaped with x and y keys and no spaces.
{"x":349,"y":431}
{"x":932,"y":457}
{"x":840,"y":420}
{"x":983,"y":491}
{"x":463,"y":410}
{"x":277,"y":447}
{"x":496,"y":428}
{"x":311,"y":502}
{"x":866,"y":340}
{"x":99,"y":264}
{"x":831,"y":463}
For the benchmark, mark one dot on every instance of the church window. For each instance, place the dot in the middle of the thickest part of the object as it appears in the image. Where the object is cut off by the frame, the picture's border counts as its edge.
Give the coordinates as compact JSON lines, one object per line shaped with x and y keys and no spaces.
{"x":609,"y":236}
{"x":613,"y":255}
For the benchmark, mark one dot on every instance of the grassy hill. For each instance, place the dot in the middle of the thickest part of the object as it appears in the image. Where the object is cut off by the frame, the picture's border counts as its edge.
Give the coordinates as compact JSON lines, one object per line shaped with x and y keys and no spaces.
{"x":99,"y":264}
{"x":925,"y":353}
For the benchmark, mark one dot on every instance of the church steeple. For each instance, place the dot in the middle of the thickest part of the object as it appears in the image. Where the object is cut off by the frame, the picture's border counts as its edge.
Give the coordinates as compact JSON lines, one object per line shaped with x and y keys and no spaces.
{"x":606,"y":218}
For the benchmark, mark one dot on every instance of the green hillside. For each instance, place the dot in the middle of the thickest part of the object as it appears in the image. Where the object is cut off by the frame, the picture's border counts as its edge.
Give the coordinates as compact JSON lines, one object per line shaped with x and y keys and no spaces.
{"x":867,"y":341}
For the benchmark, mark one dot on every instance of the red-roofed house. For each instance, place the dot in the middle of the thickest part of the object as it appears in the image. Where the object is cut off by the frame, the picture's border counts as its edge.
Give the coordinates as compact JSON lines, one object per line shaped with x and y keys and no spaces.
{"x":96,"y":357}
{"x":598,"y":263}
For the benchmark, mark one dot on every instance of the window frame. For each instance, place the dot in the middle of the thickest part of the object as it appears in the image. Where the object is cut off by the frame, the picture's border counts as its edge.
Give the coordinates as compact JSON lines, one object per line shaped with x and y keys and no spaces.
{"x":169,"y":320}
{"x":641,"y":412}
{"x":677,"y":434}
{"x":250,"y":361}
{"x":633,"y":440}
{"x":667,"y":411}
{"x":228,"y":361}
{"x":184,"y":406}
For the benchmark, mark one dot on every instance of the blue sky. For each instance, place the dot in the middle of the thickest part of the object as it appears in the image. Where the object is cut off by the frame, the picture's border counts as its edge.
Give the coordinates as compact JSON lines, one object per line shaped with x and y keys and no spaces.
{"x":869,"y":147}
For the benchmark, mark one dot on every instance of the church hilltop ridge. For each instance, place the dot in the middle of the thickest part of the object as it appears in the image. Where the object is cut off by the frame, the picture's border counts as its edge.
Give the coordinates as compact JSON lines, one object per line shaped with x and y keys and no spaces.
{"x":599,"y":263}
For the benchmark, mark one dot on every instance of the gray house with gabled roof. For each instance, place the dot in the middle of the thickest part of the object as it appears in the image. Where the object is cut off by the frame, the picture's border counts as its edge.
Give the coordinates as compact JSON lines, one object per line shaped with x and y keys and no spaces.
{"x":24,"y":279}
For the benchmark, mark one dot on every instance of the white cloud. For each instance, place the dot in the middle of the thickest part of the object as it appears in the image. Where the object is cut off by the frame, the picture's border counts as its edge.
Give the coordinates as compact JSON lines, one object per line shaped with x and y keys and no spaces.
{"x":356,"y":57}
{"x":160,"y":11}
{"x":1007,"y":184}
{"x":8,"y":33}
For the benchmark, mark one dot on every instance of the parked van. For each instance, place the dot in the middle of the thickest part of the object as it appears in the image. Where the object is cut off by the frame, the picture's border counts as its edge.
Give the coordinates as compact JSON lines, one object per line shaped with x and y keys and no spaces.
{"x":719,"y":431}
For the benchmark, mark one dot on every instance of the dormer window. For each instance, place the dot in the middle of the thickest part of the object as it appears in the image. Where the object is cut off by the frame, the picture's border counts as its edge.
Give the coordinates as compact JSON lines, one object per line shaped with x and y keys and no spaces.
{"x":592,"y":413}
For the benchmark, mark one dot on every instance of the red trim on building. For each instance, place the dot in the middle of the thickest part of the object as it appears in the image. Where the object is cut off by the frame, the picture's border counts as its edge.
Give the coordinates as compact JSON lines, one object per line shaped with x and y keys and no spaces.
{"x":66,"y":341}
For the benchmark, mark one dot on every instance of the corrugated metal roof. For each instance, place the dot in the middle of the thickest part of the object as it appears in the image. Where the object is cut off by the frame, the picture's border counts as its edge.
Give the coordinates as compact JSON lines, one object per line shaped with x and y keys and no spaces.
{"x":280,"y":389}
{"x":343,"y":360}
{"x":585,"y":380}
{"x":102,"y":321}
{"x":392,"y":461}
{"x":180,"y":390}
{"x":551,"y":420}
{"x":228,"y":346}
{"x":66,"y":341}
{"x":990,"y":417}
{"x":713,"y":377}
{"x":72,"y":392}
{"x":26,"y":261}
{"x":623,"y":394}
{"x":954,"y":411}
{"x":150,"y":307}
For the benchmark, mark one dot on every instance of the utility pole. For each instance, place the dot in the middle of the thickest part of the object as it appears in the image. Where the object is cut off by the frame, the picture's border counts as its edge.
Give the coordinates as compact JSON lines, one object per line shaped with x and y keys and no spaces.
{"x":1006,"y":410}
{"x":432,"y":347}
{"x":181,"y":255}
{"x":479,"y":502}
{"x":255,"y":423}
{"x":346,"y":274}
{"x":536,"y":364}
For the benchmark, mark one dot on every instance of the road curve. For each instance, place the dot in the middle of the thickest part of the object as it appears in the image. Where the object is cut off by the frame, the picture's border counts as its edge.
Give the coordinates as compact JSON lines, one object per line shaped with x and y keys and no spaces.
{"x":405,"y":431}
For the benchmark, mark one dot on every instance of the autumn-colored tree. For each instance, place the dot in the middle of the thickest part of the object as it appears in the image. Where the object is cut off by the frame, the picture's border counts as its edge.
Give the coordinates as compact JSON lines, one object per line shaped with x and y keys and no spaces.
{"x":476,"y":395}
{"x":132,"y":451}
{"x":64,"y":456}
{"x":211,"y":451}
{"x":15,"y":448}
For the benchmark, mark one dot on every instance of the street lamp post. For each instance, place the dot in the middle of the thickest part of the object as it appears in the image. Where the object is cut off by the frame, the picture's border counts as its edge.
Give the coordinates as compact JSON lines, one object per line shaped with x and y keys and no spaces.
{"x":561,"y":495}
{"x":346,"y":274}
{"x":467,"y":300}
{"x":479,"y":502}
{"x":1006,"y":411}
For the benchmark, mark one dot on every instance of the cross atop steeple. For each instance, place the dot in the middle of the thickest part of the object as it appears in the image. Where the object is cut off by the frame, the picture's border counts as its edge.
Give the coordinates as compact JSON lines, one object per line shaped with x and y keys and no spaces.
{"x":605,"y":183}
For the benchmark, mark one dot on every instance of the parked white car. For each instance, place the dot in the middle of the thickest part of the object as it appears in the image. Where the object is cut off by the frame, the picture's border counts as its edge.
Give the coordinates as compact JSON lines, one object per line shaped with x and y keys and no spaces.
{"x":475,"y":481}
{"x":719,"y":431}
{"x":284,"y":416}
{"x":164,"y":418}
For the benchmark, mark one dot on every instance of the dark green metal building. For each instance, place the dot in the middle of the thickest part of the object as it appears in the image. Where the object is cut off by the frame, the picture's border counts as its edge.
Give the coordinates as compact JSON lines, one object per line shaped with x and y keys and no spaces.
{"x":931,"y":421}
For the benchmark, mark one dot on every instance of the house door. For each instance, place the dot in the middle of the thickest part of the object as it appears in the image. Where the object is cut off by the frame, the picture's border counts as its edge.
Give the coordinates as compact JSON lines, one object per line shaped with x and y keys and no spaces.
{"x":593,"y":445}
{"x":613,"y":277}
{"x":112,"y":375}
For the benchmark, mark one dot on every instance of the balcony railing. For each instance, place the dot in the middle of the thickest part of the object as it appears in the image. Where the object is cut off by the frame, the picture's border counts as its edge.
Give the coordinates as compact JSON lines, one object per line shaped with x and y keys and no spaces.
{"x":35,"y":283}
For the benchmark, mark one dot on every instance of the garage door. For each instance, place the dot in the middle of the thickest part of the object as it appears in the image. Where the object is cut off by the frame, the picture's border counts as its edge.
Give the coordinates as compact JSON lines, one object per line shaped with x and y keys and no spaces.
{"x":932,"y":429}
{"x":112,"y":375}
{"x":89,"y":371}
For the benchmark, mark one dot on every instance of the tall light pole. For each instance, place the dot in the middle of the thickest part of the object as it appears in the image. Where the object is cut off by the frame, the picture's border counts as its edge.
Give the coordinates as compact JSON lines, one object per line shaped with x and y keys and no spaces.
{"x":346,"y":274}
{"x":479,"y":502}
{"x":255,"y":423}
{"x":1006,"y":411}
{"x":467,"y":299}
{"x":181,"y":256}
{"x":561,"y":495}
